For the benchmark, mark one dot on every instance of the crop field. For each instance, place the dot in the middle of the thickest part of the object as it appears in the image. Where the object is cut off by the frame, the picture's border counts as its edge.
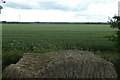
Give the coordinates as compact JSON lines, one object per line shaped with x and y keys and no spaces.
{"x":40,"y":38}
{"x":47,"y":37}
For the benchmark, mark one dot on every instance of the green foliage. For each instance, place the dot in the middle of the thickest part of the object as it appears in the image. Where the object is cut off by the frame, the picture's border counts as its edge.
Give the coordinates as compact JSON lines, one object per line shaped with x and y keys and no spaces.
{"x":115,"y":24}
{"x":10,"y":57}
{"x":116,"y":62}
{"x":112,"y":57}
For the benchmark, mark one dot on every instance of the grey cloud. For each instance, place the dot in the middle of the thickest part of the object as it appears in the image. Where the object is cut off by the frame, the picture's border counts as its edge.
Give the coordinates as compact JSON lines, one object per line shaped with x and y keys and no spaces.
{"x":40,"y":5}
{"x":17,"y":5}
{"x":57,"y":6}
{"x":52,"y":5}
{"x":45,"y":6}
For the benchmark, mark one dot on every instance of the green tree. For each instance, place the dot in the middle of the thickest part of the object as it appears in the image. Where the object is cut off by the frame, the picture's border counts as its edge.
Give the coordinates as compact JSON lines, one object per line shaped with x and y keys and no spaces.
{"x":115,"y":24}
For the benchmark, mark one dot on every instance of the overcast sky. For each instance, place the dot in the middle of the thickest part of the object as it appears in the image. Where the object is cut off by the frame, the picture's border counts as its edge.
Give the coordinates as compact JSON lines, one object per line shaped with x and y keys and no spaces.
{"x":59,"y":10}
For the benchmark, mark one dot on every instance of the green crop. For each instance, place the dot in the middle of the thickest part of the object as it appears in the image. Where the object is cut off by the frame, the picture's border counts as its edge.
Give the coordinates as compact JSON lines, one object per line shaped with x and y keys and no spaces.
{"x":45,"y":37}
{"x":39,"y":38}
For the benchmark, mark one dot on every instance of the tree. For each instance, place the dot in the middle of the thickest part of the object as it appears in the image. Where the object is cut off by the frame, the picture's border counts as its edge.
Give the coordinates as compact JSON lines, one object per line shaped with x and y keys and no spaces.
{"x":115,"y":24}
{"x":2,"y":1}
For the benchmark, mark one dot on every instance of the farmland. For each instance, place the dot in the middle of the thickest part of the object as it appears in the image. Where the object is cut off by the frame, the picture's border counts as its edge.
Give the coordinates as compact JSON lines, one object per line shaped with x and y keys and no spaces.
{"x":39,"y":38}
{"x":45,"y":37}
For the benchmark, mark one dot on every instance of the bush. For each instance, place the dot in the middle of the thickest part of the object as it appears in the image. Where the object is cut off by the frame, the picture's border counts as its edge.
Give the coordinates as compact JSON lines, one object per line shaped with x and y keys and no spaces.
{"x":116,"y":62}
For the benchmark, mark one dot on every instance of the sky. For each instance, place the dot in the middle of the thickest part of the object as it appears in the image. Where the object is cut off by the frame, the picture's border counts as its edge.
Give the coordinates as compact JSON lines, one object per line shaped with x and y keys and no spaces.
{"x":58,"y":10}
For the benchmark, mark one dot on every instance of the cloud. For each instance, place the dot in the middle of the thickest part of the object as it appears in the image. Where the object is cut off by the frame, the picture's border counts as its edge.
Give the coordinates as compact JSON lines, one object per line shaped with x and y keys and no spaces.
{"x":65,"y":5}
{"x":47,"y":5}
{"x":18,"y":5}
{"x":59,"y":10}
{"x":52,"y":6}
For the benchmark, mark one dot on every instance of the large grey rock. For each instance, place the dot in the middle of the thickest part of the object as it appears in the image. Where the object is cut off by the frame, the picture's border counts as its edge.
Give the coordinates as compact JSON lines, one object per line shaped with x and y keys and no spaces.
{"x":61,"y":64}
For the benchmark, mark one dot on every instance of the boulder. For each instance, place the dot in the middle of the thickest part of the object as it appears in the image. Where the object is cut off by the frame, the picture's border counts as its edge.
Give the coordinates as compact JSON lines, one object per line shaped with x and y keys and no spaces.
{"x":61,"y":64}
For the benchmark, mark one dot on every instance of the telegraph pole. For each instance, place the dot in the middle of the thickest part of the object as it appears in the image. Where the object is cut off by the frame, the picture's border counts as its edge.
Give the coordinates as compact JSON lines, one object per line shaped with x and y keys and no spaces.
{"x":119,"y":8}
{"x":118,"y":33}
{"x":19,"y":18}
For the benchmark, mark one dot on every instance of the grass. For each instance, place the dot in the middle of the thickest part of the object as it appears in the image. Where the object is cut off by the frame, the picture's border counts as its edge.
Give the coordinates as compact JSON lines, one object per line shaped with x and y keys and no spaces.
{"x":40,"y":38}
